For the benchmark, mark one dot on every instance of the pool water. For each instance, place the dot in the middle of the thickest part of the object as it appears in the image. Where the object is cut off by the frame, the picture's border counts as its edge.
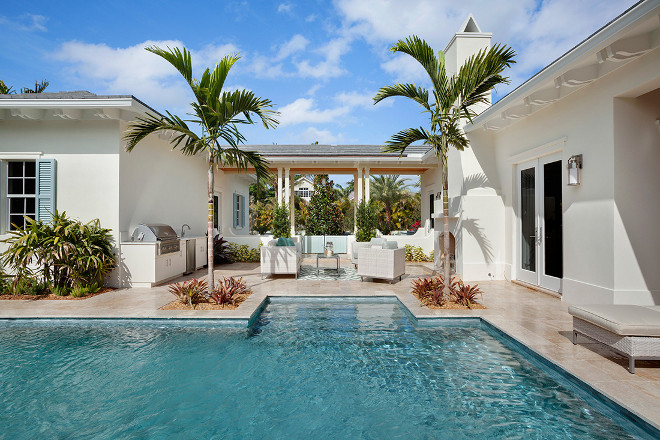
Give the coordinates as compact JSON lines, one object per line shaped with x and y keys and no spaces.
{"x":317,"y":369}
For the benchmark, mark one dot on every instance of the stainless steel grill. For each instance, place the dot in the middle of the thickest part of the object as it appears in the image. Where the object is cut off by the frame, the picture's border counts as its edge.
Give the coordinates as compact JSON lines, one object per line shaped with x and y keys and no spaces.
{"x":164,"y":235}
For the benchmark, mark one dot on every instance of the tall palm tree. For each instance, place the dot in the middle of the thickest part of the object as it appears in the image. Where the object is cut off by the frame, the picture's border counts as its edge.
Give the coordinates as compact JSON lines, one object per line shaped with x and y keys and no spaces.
{"x":388,"y":189}
{"x":452,"y":99}
{"x":218,"y":113}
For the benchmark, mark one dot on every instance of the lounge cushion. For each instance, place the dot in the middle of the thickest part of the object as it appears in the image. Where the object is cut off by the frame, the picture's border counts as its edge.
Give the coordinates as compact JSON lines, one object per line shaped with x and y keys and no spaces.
{"x":390,"y":244}
{"x":621,"y":319}
{"x":377,"y":241}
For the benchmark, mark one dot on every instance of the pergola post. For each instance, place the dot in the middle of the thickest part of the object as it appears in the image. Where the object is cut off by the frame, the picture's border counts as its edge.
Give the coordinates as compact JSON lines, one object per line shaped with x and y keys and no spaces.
{"x":279,"y":185}
{"x":355,"y":203}
{"x":360,"y":186}
{"x":366,"y":185}
{"x":292,"y":203}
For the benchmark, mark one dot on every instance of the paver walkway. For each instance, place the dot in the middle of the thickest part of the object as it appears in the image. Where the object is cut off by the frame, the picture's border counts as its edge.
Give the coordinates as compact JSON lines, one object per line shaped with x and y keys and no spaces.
{"x":539,"y":321}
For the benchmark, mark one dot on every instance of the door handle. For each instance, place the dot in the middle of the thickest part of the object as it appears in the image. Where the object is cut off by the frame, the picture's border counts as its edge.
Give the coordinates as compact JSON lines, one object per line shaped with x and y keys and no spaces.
{"x":539,"y":238}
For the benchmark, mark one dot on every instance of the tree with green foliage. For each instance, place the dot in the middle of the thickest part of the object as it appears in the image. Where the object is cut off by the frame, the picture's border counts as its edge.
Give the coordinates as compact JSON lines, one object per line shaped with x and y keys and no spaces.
{"x":261,"y":217}
{"x":324,"y":216}
{"x":218,"y":113}
{"x":389,"y":190}
{"x":281,"y":221}
{"x":39,"y":87}
{"x":366,"y":221}
{"x":453,"y":101}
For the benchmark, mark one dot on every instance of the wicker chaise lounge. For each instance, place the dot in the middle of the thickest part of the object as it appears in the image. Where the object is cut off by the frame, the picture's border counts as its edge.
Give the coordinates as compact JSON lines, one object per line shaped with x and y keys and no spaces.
{"x":633,"y":331}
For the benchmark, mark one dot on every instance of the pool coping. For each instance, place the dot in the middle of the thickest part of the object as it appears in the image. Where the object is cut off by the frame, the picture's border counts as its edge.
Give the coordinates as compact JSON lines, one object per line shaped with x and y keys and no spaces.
{"x":248,"y":312}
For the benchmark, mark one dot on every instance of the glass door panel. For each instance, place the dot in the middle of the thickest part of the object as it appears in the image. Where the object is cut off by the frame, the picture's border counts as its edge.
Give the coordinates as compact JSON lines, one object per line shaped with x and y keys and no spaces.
{"x":528,"y":219}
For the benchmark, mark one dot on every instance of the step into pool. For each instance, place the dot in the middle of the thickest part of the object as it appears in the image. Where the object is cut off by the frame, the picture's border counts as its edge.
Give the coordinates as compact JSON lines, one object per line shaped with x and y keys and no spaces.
{"x":306,"y":369}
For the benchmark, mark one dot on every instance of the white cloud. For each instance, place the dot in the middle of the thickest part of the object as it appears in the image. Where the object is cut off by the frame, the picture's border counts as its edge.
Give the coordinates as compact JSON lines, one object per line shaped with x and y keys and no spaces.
{"x":26,"y":22}
{"x":297,"y":43}
{"x":330,"y":66}
{"x":405,"y":69}
{"x":539,"y":31}
{"x":313,"y":134}
{"x":310,"y":18}
{"x":306,"y":110}
{"x":284,"y":7}
{"x":133,"y":70}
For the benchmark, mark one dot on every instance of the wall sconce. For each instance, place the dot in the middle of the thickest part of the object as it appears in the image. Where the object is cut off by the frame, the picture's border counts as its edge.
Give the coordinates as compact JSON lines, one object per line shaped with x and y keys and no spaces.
{"x":574,"y":166}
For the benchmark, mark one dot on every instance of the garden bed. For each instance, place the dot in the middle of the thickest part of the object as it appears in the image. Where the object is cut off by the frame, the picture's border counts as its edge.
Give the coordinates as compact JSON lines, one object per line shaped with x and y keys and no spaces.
{"x":50,"y":296}
{"x":205,"y":305}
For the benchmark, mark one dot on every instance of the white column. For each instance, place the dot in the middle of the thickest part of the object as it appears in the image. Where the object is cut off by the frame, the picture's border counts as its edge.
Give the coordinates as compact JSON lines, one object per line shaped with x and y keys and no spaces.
{"x":279,"y":185}
{"x":366,"y":184}
{"x":360,"y":186}
{"x":355,"y":203}
{"x":287,"y":186}
{"x":292,"y":206}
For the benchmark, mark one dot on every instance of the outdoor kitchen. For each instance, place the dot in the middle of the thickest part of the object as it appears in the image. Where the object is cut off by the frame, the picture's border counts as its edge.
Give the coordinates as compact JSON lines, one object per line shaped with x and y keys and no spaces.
{"x":155,"y":254}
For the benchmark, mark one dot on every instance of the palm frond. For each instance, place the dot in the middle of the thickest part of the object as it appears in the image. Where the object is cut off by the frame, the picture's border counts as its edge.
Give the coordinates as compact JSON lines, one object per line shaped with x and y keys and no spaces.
{"x":144,"y":126}
{"x":38,"y":87}
{"x":232,"y":105}
{"x":405,"y":138}
{"x":180,"y":59}
{"x":412,"y":91}
{"x":421,"y":51}
{"x":242,"y":160}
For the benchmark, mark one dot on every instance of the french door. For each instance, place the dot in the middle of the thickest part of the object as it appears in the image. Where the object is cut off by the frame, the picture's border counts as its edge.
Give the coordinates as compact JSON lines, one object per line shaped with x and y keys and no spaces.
{"x":540,"y":250}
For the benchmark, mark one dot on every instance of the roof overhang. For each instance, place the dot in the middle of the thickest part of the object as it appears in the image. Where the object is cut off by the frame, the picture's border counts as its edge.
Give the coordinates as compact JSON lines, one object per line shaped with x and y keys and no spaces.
{"x":627,"y":37}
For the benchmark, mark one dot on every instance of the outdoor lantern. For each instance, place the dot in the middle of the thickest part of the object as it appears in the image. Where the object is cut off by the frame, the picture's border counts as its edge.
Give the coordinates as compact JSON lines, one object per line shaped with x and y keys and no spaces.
{"x":574,"y":166}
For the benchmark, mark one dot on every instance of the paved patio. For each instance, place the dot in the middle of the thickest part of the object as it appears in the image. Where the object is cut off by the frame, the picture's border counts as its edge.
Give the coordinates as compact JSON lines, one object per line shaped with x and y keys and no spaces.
{"x":537,"y":320}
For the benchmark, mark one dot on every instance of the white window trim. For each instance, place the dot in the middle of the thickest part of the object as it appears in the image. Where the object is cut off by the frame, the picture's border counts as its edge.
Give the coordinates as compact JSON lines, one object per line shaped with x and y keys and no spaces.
{"x":6,"y":197}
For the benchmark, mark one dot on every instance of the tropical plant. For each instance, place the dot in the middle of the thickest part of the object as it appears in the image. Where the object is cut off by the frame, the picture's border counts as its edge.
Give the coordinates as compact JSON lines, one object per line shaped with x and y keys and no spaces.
{"x":261,"y":216}
{"x":453,"y":100}
{"x":63,"y":252}
{"x":281,"y":221}
{"x":466,"y":294}
{"x":243,"y":253}
{"x":218,"y":113}
{"x":416,"y":254}
{"x":189,"y":292}
{"x":28,"y":285}
{"x":346,"y":204}
{"x":222,"y":253}
{"x":430,"y":290}
{"x":81,"y":291}
{"x":389,"y":190}
{"x":227,"y":291}
{"x":366,"y":221}
{"x":324,"y":216}
{"x":38,"y":88}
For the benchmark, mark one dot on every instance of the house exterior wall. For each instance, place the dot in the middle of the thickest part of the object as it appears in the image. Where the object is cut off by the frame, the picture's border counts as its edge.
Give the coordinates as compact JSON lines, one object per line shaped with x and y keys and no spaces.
{"x":226,"y":185}
{"x":606,"y":258}
{"x":86,"y":155}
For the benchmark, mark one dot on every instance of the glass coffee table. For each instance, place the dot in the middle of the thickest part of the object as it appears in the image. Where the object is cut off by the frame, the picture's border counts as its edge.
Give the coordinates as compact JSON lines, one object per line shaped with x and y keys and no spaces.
{"x":324,"y":256}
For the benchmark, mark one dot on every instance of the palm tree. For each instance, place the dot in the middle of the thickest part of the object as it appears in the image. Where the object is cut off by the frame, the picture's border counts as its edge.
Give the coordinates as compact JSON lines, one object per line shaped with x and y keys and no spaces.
{"x":218,"y":113}
{"x":38,"y":88}
{"x":388,"y":189}
{"x":452,"y":99}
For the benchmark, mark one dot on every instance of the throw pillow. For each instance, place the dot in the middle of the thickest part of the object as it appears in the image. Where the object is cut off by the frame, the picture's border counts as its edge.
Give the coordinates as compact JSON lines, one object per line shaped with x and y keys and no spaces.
{"x":390,"y":244}
{"x":289,"y":242}
{"x":282,"y":241}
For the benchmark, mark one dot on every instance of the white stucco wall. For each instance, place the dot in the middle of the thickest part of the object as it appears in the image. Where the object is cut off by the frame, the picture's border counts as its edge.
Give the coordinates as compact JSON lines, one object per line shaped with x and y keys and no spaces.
{"x":605,"y":256}
{"x":86,"y":155}
{"x":228,"y":184}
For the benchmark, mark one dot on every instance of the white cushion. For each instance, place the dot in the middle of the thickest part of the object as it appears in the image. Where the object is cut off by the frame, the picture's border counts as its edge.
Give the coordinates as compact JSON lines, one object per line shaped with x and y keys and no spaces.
{"x":621,"y":319}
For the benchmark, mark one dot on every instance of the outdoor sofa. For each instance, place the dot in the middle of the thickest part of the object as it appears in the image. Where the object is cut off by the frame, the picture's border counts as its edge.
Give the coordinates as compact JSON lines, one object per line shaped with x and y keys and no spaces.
{"x":280,"y":256}
{"x":633,"y":331}
{"x":384,"y":261}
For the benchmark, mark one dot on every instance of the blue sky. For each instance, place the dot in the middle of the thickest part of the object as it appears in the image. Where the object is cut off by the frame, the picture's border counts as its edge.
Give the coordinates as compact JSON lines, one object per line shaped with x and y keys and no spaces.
{"x":320,"y":62}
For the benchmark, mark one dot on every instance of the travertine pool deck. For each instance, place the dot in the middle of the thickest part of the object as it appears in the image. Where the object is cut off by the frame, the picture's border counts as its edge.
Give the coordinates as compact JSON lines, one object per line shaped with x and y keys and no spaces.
{"x":539,"y":321}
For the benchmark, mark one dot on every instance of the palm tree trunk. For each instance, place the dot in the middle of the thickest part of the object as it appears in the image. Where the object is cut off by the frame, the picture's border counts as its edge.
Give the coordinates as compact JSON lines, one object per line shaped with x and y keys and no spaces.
{"x":445,"y":230}
{"x":209,"y":255}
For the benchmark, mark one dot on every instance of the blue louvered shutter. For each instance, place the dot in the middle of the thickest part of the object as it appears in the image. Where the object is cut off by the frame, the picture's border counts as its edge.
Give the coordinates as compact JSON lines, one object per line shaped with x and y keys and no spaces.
{"x":45,"y":189}
{"x":242,"y":211}
{"x":235,"y":211}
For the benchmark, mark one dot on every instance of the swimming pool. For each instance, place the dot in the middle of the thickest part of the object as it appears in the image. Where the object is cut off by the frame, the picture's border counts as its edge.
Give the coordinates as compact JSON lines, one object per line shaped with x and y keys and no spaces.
{"x":306,"y":369}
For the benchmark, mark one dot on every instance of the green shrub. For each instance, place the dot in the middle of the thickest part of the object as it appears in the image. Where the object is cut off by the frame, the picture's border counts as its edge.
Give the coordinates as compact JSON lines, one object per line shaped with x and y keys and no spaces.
{"x":416,"y":254}
{"x":366,"y":220}
{"x":281,"y":221}
{"x":324,"y":216}
{"x":26,"y":285}
{"x":63,"y":252}
{"x":60,"y":290}
{"x":79,"y":292}
{"x":242,"y":253}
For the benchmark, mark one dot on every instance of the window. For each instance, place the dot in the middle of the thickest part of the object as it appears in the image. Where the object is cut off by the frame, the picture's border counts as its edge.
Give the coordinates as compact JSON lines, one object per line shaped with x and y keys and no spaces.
{"x":303,"y":192}
{"x":21,"y":192}
{"x":28,"y":188}
{"x":239,"y":211}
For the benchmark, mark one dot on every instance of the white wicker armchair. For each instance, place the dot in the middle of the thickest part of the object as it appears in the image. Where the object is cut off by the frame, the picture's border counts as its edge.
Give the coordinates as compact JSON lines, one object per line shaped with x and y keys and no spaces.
{"x":374,"y":262}
{"x":281,"y":259}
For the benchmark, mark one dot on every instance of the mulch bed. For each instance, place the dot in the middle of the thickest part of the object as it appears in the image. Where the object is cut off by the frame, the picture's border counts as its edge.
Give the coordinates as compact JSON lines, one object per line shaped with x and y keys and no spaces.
{"x":50,"y":296}
{"x":177,"y":305}
{"x":449,"y":305}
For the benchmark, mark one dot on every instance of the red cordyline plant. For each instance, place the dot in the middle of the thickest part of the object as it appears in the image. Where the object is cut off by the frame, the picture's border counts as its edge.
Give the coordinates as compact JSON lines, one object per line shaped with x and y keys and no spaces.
{"x":189,"y":292}
{"x":429,"y":290}
{"x":227,"y":291}
{"x":466,"y":294}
